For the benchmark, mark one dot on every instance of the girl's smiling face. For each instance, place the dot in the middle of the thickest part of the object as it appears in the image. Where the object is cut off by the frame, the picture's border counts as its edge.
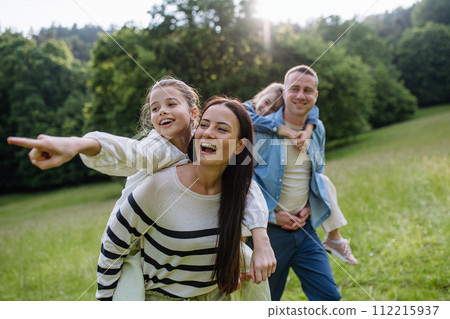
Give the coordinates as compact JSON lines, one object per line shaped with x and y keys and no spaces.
{"x":170,"y":113}
{"x":268,"y":103}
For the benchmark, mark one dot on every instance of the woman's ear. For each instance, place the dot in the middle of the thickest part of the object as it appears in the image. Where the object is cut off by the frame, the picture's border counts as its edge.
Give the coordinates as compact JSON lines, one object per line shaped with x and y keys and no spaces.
{"x":240,"y":146}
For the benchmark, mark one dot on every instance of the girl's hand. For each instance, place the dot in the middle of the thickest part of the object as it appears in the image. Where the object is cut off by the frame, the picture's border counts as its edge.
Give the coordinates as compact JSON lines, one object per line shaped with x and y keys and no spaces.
{"x":302,"y":138}
{"x":52,"y":151}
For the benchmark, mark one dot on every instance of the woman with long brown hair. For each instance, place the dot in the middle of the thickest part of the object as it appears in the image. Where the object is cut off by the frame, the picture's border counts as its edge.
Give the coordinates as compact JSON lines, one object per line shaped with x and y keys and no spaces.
{"x":188,"y":218}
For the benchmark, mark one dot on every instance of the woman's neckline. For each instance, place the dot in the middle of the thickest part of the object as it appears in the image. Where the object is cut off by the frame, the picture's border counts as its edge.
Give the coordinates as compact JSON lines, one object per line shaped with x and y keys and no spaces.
{"x":188,"y":190}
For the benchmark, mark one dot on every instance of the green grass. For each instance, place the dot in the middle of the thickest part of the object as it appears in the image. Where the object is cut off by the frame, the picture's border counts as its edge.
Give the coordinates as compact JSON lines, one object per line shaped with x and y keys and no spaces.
{"x":393,"y":187}
{"x":50,"y":242}
{"x":428,"y":111}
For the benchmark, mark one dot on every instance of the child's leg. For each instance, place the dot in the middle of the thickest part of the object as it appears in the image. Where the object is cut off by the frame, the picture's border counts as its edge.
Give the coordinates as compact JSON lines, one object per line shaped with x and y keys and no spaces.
{"x":334,"y":234}
{"x":334,"y":243}
{"x":336,"y":219}
{"x":130,"y":286}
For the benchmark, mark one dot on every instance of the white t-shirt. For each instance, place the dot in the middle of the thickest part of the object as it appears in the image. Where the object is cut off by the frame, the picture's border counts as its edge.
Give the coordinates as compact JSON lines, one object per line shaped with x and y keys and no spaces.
{"x":297,"y":174}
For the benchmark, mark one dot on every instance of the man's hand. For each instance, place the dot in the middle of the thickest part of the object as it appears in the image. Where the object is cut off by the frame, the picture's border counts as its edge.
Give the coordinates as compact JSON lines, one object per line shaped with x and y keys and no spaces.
{"x":293,"y":221}
{"x":52,"y":151}
{"x":263,"y":262}
{"x":287,"y":221}
{"x":304,"y":214}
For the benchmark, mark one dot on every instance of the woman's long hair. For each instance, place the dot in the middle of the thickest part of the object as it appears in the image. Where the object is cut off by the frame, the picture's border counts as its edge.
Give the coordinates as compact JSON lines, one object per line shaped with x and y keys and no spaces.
{"x":236,"y":181}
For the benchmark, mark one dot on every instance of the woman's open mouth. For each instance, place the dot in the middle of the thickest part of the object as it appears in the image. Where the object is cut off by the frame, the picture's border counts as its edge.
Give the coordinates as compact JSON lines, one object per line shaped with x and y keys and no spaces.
{"x":208,"y":148}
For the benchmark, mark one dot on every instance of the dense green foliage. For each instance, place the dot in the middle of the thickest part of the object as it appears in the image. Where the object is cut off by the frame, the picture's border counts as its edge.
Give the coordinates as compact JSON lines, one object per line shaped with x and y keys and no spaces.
{"x":119,"y":81}
{"x":419,"y":38}
{"x":422,"y":56}
{"x":392,"y":102}
{"x":67,"y":81}
{"x":437,"y":11}
{"x":391,"y":25}
{"x":80,"y":41}
{"x":42,"y":90}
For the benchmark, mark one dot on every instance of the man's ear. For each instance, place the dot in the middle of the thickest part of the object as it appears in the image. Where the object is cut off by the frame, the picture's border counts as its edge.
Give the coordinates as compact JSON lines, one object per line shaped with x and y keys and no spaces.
{"x":240,"y":145}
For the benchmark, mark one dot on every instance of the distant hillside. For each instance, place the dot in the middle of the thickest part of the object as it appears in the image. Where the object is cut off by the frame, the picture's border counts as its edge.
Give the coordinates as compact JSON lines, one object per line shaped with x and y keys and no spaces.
{"x":79,"y":40}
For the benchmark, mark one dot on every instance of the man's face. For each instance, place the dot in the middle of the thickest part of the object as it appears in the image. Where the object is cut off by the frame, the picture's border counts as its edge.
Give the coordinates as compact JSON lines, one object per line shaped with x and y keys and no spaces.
{"x":300,"y":95}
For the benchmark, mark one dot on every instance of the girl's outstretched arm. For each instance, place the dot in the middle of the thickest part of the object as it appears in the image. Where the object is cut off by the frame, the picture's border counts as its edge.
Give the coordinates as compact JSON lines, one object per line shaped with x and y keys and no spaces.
{"x":106,"y":153}
{"x":123,"y":156}
{"x":53,"y":151}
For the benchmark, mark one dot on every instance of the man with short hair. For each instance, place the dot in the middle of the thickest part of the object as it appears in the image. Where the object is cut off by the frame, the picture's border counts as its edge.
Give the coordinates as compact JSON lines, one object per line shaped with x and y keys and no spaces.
{"x":290,"y":181}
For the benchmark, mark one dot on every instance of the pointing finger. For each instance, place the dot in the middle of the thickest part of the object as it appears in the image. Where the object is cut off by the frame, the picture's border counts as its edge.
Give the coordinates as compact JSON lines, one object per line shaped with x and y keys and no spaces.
{"x":23,"y":142}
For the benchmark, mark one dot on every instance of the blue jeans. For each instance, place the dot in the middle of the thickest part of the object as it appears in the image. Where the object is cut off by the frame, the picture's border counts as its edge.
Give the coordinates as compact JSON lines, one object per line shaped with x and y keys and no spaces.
{"x":303,"y":251}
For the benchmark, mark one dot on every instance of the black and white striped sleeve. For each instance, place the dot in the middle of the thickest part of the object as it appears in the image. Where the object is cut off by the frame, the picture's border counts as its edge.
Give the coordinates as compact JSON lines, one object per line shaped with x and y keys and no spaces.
{"x":128,"y":224}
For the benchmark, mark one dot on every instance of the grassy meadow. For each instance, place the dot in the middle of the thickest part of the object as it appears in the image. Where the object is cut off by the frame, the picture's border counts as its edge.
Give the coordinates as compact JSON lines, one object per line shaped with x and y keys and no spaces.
{"x":393,"y":187}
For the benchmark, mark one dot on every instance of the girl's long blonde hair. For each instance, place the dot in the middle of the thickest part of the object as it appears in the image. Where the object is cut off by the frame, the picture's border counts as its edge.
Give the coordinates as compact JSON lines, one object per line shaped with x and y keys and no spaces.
{"x":274,"y":87}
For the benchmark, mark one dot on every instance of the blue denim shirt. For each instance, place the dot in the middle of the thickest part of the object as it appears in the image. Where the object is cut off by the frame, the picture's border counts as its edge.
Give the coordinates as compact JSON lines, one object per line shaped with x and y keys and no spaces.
{"x":270,"y":159}
{"x":265,"y":124}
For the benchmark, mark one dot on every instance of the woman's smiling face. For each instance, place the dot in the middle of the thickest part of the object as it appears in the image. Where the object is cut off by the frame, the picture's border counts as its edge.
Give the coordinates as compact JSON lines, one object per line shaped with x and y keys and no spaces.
{"x":217,"y":135}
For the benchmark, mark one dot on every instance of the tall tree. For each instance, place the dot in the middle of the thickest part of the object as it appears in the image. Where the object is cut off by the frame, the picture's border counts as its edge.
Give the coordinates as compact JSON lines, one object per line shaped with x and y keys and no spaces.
{"x":122,"y":71}
{"x":437,"y":11}
{"x":79,"y":40}
{"x":362,"y":41}
{"x":391,"y":25}
{"x":393,"y":101}
{"x":422,"y":57}
{"x":42,"y":90}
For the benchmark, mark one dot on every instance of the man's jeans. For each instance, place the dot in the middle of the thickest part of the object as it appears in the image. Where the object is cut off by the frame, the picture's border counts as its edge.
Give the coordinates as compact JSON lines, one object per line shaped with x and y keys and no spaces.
{"x":303,"y":251}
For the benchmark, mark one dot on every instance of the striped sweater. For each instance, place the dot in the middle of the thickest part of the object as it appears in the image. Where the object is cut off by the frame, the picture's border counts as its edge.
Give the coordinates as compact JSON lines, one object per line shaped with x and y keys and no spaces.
{"x":178,"y":242}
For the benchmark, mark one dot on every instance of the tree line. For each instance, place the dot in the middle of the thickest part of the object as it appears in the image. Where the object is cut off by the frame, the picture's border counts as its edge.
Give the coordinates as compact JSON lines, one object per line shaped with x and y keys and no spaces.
{"x":70,"y":81}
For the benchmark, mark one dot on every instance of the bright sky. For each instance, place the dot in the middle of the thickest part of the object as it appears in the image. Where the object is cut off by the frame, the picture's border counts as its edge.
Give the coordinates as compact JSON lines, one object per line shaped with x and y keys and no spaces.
{"x":22,"y":15}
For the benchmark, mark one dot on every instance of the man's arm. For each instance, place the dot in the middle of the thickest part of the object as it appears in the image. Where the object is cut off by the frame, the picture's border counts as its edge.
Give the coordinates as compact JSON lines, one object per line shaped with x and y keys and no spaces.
{"x":313,"y":116}
{"x":316,"y":148}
